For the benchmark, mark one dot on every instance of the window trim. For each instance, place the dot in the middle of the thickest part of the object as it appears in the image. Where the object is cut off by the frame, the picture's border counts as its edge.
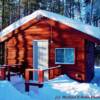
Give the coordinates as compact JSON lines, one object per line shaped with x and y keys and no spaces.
{"x":64,"y":56}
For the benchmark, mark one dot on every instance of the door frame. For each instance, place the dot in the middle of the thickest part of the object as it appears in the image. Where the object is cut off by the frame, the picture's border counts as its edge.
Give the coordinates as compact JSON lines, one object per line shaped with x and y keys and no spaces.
{"x":44,"y":40}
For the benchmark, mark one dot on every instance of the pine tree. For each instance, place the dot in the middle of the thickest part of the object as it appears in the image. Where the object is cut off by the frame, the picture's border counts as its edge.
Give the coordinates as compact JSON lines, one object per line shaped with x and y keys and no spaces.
{"x":0,"y":14}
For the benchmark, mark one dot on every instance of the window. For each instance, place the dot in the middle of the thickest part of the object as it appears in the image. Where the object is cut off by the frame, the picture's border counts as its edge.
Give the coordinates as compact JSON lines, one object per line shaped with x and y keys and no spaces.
{"x":64,"y":55}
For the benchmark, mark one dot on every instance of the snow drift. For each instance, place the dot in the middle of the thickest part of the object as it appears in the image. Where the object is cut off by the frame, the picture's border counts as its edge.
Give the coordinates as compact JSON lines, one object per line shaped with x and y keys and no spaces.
{"x":60,"y":88}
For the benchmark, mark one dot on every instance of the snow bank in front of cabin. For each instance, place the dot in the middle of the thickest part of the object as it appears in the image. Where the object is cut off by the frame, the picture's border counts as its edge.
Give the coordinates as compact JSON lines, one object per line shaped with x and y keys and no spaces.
{"x":8,"y":92}
{"x":77,"y":89}
{"x":63,"y":87}
{"x":60,"y":88}
{"x":66,"y":88}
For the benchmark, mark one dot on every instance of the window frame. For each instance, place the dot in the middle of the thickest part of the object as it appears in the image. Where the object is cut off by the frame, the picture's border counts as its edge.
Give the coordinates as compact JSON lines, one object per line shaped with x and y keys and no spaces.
{"x":64,"y":56}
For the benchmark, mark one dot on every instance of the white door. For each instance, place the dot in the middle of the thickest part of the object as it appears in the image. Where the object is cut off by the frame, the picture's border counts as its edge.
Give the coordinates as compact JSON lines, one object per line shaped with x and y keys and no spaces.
{"x":40,"y":56}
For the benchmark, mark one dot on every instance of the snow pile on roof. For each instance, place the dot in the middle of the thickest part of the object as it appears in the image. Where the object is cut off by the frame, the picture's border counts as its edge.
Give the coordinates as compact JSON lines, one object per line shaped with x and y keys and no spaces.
{"x":90,"y":30}
{"x":8,"y":92}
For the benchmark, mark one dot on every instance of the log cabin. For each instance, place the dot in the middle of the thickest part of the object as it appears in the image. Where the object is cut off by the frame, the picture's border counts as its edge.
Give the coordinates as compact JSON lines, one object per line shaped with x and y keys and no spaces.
{"x":44,"y":40}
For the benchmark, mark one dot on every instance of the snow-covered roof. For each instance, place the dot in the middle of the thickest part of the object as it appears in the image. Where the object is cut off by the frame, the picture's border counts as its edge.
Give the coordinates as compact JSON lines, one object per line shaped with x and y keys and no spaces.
{"x":86,"y":29}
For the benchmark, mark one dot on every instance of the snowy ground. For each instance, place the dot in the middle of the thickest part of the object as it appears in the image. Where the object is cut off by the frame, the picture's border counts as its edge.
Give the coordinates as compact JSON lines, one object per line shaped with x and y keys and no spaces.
{"x":61,"y":88}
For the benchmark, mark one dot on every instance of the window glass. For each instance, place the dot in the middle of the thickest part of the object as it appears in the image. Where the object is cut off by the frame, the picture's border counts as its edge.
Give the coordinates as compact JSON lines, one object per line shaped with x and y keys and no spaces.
{"x":60,"y":55}
{"x":65,"y":56}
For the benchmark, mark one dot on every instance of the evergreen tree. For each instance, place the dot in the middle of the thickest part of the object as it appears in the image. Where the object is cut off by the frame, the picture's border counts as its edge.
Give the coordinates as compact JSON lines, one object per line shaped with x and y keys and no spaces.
{"x":0,"y":14}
